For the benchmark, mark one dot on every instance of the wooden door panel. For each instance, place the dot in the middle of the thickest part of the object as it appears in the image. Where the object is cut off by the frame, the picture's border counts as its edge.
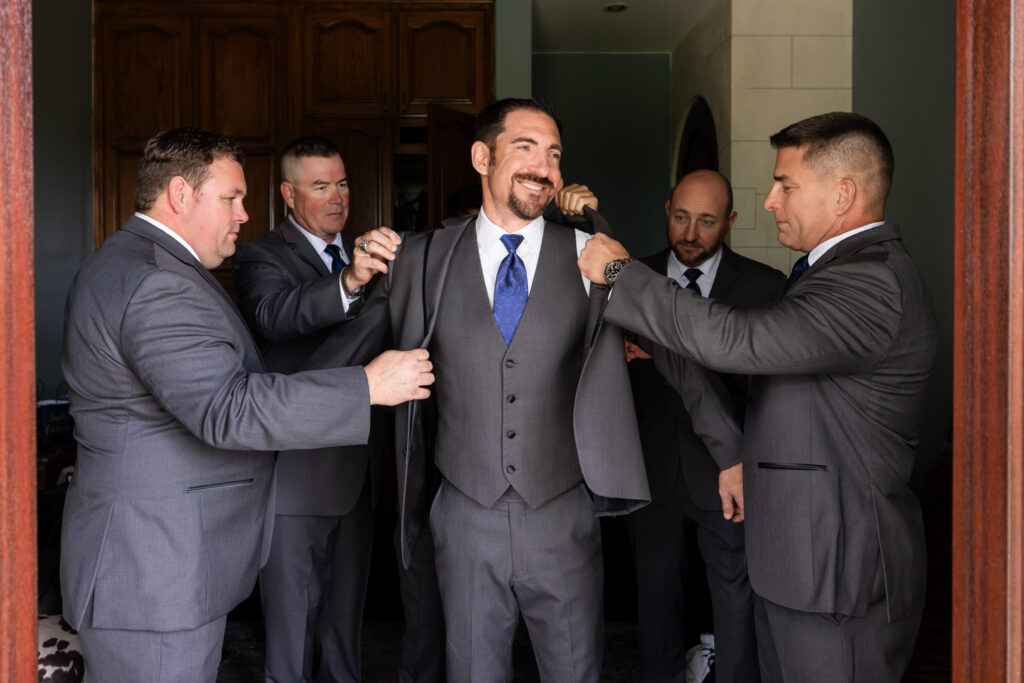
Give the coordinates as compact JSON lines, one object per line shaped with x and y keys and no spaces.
{"x":242,"y":87}
{"x":145,"y":75}
{"x":367,"y":148}
{"x":262,"y":200}
{"x":444,"y":57}
{"x":449,"y":139}
{"x":347,"y":64}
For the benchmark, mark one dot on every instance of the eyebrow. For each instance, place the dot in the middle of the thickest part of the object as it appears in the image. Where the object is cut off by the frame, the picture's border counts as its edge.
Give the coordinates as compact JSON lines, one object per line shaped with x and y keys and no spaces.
{"x":780,"y":178}
{"x":534,"y":142}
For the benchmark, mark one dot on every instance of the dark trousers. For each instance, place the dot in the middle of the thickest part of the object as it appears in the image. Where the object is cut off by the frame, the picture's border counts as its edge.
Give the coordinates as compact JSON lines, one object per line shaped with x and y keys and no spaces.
{"x":659,"y":533}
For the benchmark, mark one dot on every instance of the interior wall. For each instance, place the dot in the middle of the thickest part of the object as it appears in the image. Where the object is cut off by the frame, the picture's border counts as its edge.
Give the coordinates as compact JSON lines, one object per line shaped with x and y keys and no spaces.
{"x":904,"y":79}
{"x":513,"y":48}
{"x":62,"y":85}
{"x":615,"y":118}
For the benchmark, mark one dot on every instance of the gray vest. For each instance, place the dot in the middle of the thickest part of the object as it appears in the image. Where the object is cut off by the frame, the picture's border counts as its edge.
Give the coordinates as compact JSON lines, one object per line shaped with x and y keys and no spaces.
{"x":505,"y":413}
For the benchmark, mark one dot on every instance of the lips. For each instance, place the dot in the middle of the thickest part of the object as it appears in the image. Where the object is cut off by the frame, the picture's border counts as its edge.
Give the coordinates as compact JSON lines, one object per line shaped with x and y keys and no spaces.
{"x":533,"y":183}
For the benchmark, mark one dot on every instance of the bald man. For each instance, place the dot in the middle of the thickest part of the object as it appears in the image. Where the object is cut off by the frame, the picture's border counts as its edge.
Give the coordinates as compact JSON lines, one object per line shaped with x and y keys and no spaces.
{"x":689,"y":482}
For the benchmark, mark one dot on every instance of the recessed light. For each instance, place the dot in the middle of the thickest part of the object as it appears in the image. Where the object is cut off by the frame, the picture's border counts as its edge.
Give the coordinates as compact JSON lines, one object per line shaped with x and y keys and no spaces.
{"x":614,"y":7}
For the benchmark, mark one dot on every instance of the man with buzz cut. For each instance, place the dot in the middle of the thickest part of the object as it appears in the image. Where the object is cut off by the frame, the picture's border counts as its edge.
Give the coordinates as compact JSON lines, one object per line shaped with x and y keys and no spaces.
{"x":834,"y":536}
{"x":689,"y":483}
{"x":295,"y":286}
{"x":177,"y":420}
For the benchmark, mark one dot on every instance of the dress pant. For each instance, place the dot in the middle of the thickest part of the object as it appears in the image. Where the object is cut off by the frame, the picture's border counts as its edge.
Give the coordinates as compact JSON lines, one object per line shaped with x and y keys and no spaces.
{"x":423,"y":639}
{"x":151,"y":656}
{"x":313,"y":588}
{"x":659,"y":533}
{"x":812,"y":647}
{"x":496,"y":563}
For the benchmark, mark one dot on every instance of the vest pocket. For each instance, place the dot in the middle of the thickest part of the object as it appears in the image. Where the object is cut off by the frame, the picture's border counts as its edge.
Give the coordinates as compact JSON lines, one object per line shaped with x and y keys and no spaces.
{"x":792,"y":466}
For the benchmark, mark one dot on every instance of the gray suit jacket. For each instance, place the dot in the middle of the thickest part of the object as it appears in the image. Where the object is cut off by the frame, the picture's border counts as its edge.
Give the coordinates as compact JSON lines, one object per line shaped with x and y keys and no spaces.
{"x":670,"y":440}
{"x":604,"y":424}
{"x":843,"y":363}
{"x":166,"y":518}
{"x":292,"y":302}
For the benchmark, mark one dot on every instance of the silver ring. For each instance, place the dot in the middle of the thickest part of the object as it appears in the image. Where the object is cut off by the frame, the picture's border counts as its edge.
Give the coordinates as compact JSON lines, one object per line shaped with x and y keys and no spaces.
{"x":362,"y":246}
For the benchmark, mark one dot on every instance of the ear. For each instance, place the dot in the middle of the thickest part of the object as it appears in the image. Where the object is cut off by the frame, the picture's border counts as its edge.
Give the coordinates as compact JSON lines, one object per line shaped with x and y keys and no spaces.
{"x":668,"y":203}
{"x":288,"y":193}
{"x":178,"y":190}
{"x":480,"y":154}
{"x":846,"y":194}
{"x":730,"y":220}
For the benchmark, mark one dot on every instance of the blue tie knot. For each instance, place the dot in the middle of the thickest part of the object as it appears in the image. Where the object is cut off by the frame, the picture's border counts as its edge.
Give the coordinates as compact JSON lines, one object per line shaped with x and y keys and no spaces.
{"x":798,"y":269}
{"x":337,"y":260}
{"x":511,"y":242}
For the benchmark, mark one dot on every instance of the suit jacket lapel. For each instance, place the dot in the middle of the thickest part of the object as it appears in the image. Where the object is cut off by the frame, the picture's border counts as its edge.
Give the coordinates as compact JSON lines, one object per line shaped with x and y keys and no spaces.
{"x":303,"y":249}
{"x":726,"y":275}
{"x":438,"y":260}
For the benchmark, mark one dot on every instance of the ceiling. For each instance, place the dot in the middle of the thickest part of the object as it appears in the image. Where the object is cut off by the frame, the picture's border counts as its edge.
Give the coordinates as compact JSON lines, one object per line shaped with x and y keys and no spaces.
{"x":583,"y":25}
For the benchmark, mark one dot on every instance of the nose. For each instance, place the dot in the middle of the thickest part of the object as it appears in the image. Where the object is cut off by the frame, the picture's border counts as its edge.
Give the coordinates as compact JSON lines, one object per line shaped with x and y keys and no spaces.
{"x":771,"y":202}
{"x":240,"y":215}
{"x":690,"y":231}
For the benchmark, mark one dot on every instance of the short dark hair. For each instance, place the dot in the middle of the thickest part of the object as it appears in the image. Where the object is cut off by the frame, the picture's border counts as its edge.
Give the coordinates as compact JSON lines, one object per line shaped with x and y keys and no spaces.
{"x":309,"y":146}
{"x":490,"y":123}
{"x":187,"y":152}
{"x":842,"y":141}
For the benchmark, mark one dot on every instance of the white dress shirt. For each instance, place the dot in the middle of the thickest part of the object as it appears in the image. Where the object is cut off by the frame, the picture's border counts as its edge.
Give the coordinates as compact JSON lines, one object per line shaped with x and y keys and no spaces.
{"x":493,"y":252}
{"x":676,"y":270}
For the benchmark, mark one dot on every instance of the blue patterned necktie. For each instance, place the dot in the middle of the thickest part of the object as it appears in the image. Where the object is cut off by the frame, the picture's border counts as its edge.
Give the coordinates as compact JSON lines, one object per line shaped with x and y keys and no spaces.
{"x":692,"y":274}
{"x":798,"y":269}
{"x":510,"y":289}
{"x":337,"y":260}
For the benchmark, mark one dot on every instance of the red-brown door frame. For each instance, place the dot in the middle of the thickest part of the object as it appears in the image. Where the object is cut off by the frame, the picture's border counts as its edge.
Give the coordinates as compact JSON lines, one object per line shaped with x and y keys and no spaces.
{"x":17,"y":351}
{"x":988,"y":370}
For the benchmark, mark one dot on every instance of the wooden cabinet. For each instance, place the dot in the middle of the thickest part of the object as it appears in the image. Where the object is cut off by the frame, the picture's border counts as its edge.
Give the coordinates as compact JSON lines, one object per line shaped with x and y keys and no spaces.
{"x":264,"y":72}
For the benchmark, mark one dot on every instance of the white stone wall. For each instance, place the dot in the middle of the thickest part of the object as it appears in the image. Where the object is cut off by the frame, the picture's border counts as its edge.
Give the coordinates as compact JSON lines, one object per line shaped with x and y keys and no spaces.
{"x":790,"y":59}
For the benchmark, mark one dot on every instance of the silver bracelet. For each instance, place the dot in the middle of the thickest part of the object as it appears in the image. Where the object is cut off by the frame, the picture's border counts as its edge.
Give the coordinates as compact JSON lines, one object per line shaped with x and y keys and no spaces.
{"x":344,"y":286}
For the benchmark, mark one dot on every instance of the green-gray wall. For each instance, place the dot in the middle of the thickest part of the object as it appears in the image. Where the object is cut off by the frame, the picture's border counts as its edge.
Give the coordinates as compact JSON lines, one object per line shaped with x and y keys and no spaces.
{"x":903,"y":78}
{"x":62,"y":111}
{"x":616,"y":132}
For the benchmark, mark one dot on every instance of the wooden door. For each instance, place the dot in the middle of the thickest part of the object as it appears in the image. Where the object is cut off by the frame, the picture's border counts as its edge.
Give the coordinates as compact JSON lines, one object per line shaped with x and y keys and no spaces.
{"x":143,"y":85}
{"x":449,"y":139}
{"x":445,"y":57}
{"x":346,"y":62}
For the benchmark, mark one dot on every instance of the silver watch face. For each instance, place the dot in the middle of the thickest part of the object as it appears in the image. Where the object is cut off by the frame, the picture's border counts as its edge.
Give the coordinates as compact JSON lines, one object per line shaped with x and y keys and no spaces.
{"x":611,"y":270}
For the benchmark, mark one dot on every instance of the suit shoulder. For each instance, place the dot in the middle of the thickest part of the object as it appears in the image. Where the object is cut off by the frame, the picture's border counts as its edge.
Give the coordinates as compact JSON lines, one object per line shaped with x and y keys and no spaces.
{"x":755,"y":270}
{"x":264,"y":244}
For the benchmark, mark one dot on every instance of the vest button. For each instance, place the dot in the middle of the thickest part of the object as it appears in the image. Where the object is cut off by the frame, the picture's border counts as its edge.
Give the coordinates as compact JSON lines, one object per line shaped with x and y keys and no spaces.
{"x":511,"y":469}
{"x":510,"y":363}
{"x":511,"y":433}
{"x":511,"y":398}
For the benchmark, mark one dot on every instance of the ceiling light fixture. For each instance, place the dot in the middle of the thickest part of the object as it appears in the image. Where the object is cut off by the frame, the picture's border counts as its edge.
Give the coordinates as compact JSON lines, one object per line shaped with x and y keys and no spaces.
{"x":615,"y":7}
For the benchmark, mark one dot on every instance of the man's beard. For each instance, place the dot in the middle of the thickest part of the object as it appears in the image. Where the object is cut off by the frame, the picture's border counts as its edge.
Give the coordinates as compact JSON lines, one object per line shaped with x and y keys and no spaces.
{"x":694,"y":261}
{"x":527,"y":211}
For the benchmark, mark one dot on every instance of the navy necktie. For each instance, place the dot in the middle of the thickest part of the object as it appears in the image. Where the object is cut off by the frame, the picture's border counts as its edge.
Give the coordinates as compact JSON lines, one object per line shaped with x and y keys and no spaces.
{"x":337,"y":260}
{"x":798,"y":269}
{"x":510,"y":289}
{"x":692,"y":274}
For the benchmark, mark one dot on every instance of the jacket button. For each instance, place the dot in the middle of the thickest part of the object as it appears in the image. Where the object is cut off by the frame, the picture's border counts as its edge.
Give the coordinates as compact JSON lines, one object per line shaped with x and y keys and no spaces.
{"x":510,"y":363}
{"x":511,"y":398}
{"x":511,"y":469}
{"x":511,"y":433}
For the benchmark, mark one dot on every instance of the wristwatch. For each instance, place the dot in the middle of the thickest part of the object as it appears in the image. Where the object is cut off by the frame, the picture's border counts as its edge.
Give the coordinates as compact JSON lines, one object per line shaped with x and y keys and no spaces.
{"x":611,"y":271}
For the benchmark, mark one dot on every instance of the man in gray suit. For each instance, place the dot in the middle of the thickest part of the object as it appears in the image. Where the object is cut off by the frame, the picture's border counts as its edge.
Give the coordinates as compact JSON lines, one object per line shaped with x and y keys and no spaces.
{"x":835,"y":544}
{"x":687,"y":482}
{"x":532,"y":428}
{"x":168,"y":516}
{"x":292,"y":290}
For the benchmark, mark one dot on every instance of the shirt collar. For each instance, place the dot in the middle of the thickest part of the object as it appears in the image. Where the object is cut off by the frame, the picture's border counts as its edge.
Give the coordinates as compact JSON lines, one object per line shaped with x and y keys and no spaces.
{"x":177,"y":238}
{"x":490,"y":234}
{"x":318,"y":244}
{"x":819,"y":251}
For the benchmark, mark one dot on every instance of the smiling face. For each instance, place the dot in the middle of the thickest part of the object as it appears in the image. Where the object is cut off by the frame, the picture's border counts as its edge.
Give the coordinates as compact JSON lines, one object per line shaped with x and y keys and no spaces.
{"x":214,"y":213}
{"x":316,"y":191}
{"x":698,"y":217}
{"x":522,"y":174}
{"x":802,"y":202}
